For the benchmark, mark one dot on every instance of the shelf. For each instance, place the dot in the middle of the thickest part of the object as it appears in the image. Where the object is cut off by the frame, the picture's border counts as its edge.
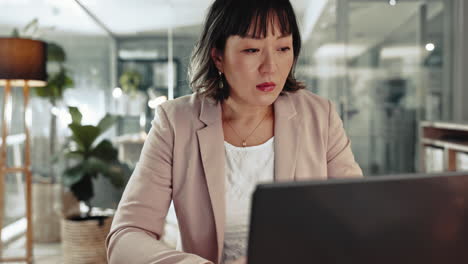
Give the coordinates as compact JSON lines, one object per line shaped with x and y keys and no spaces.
{"x":137,"y":138}
{"x":452,"y":138}
{"x":448,"y":144}
{"x":445,"y":125}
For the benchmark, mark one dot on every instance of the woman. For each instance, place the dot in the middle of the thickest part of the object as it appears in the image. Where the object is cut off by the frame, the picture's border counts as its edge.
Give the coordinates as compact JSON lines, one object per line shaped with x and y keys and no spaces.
{"x":248,"y":120}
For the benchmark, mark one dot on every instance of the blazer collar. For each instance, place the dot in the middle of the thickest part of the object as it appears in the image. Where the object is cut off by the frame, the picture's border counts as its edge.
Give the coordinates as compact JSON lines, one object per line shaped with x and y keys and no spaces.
{"x":284,"y":107}
{"x":210,"y":111}
{"x":287,"y":135}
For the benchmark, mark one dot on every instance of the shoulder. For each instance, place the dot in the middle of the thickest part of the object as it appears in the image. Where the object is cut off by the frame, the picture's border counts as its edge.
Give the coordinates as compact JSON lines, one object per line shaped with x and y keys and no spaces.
{"x":184,"y":107}
{"x":181,"y":114}
{"x":306,"y":102}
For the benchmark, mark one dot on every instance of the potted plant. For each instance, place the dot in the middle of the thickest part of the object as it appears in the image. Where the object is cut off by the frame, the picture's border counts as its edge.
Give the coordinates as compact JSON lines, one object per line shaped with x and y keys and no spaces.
{"x":130,"y":81}
{"x":88,"y":157}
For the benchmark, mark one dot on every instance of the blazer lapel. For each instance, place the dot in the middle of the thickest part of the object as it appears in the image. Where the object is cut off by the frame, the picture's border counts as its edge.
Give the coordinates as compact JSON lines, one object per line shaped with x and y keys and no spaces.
{"x":211,"y":144}
{"x":287,"y":123}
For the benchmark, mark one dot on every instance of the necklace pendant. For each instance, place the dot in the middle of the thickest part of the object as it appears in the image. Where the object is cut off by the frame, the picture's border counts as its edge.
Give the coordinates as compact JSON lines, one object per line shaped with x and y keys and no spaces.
{"x":244,"y":144}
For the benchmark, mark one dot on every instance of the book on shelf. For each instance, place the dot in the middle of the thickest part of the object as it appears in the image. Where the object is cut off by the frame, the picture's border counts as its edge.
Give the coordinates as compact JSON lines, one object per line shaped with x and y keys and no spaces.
{"x":434,"y":159}
{"x":462,"y":161}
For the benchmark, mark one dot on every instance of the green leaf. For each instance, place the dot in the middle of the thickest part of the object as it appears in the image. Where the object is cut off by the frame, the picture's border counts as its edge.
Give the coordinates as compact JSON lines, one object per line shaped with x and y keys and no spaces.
{"x":79,"y":177}
{"x":43,"y":91}
{"x":87,"y":167}
{"x":114,"y":171}
{"x":106,"y":122}
{"x":105,"y":151}
{"x":32,"y":23}
{"x":68,"y":82}
{"x":84,"y":136}
{"x":55,"y":53}
{"x":56,"y":84}
{"x":15,"y":33}
{"x":83,"y":189}
{"x":31,"y":28}
{"x":74,"y":174}
{"x":95,"y":166}
{"x":118,"y":173}
{"x":60,"y":82}
{"x":78,"y":154}
{"x":75,"y":114}
{"x":130,"y":81}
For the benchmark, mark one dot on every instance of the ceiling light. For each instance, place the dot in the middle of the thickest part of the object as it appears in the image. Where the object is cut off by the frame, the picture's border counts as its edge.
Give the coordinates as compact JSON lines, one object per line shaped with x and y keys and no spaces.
{"x":55,"y":111}
{"x":430,"y":46}
{"x":117,"y":92}
{"x":392,"y":2}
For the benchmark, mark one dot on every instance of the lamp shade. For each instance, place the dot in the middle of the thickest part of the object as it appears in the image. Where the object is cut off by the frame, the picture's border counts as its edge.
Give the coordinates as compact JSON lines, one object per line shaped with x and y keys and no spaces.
{"x":23,"y":60}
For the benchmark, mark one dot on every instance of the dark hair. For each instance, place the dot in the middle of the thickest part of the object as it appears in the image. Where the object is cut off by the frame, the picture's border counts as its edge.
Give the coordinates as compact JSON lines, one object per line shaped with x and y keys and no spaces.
{"x":234,"y":17}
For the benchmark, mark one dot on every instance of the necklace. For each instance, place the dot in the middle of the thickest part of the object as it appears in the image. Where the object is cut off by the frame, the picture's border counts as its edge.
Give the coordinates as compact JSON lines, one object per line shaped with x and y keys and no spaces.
{"x":244,"y":140}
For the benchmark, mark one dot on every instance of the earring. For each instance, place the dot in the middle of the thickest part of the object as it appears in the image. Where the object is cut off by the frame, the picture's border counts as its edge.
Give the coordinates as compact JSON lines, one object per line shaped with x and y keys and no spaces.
{"x":221,"y":83}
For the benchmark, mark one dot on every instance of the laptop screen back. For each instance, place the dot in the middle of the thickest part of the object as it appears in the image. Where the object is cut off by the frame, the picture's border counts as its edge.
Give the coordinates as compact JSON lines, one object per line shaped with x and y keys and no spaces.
{"x":392,"y":219}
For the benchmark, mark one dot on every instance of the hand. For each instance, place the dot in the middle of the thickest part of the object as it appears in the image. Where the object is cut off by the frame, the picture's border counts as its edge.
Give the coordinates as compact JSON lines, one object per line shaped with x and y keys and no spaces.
{"x":242,"y":260}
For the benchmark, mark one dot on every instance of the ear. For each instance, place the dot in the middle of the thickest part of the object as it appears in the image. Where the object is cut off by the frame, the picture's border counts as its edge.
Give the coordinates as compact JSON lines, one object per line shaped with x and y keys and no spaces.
{"x":217,"y":59}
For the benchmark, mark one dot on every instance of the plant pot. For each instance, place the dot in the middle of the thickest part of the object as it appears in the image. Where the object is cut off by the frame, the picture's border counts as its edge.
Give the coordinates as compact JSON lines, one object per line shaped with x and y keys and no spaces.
{"x":83,"y":239}
{"x":46,"y":212}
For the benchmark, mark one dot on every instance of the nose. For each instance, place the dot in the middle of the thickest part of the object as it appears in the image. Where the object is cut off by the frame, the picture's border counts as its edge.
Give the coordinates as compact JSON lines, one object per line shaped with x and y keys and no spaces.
{"x":268,"y":64}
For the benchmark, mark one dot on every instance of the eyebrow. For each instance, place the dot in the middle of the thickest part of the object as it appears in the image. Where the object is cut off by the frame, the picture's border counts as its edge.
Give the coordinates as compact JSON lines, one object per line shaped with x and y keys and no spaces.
{"x":280,"y":37}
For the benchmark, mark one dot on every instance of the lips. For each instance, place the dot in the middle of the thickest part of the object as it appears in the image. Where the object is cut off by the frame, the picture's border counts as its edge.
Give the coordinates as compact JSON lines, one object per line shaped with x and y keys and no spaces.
{"x":266,"y":87}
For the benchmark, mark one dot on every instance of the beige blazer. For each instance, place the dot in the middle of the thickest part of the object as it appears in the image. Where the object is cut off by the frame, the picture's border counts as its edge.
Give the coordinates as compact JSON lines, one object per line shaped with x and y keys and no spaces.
{"x":183,"y":160}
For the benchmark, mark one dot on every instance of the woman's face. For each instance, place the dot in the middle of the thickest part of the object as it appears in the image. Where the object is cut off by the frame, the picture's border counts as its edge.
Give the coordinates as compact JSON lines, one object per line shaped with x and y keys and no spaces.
{"x":256,"y":69}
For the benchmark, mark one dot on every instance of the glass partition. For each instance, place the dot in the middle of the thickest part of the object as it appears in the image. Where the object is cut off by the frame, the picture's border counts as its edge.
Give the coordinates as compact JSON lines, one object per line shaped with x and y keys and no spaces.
{"x":381,"y":63}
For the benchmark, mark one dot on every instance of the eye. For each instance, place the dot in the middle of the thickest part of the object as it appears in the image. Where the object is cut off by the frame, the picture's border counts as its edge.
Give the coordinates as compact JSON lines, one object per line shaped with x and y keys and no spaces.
{"x":251,"y":50}
{"x":284,"y":49}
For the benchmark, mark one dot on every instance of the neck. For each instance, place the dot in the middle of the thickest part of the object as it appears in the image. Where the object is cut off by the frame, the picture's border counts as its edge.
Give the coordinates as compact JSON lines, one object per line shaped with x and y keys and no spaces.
{"x":244,"y":113}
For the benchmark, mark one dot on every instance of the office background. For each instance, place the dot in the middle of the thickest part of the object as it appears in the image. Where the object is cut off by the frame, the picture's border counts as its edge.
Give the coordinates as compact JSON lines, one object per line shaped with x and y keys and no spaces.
{"x":387,"y":65}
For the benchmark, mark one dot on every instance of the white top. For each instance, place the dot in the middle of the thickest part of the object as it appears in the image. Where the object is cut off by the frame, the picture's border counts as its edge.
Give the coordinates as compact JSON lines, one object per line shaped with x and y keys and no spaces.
{"x":245,"y":167}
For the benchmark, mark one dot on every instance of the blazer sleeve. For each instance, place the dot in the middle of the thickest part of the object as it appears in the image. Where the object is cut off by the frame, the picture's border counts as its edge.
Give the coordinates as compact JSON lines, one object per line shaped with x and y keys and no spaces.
{"x":139,"y":220}
{"x":340,"y":158}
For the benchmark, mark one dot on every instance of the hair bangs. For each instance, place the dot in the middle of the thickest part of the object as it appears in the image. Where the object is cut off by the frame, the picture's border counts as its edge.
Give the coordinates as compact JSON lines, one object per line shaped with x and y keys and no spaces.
{"x":255,"y":20}
{"x":264,"y":20}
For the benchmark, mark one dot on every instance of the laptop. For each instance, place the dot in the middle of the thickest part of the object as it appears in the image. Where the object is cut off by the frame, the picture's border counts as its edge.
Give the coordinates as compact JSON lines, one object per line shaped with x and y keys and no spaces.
{"x":417,"y":218}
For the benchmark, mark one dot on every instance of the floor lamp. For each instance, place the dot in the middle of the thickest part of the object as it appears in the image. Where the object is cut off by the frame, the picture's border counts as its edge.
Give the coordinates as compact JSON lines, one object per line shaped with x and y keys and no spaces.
{"x":22,"y":64}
